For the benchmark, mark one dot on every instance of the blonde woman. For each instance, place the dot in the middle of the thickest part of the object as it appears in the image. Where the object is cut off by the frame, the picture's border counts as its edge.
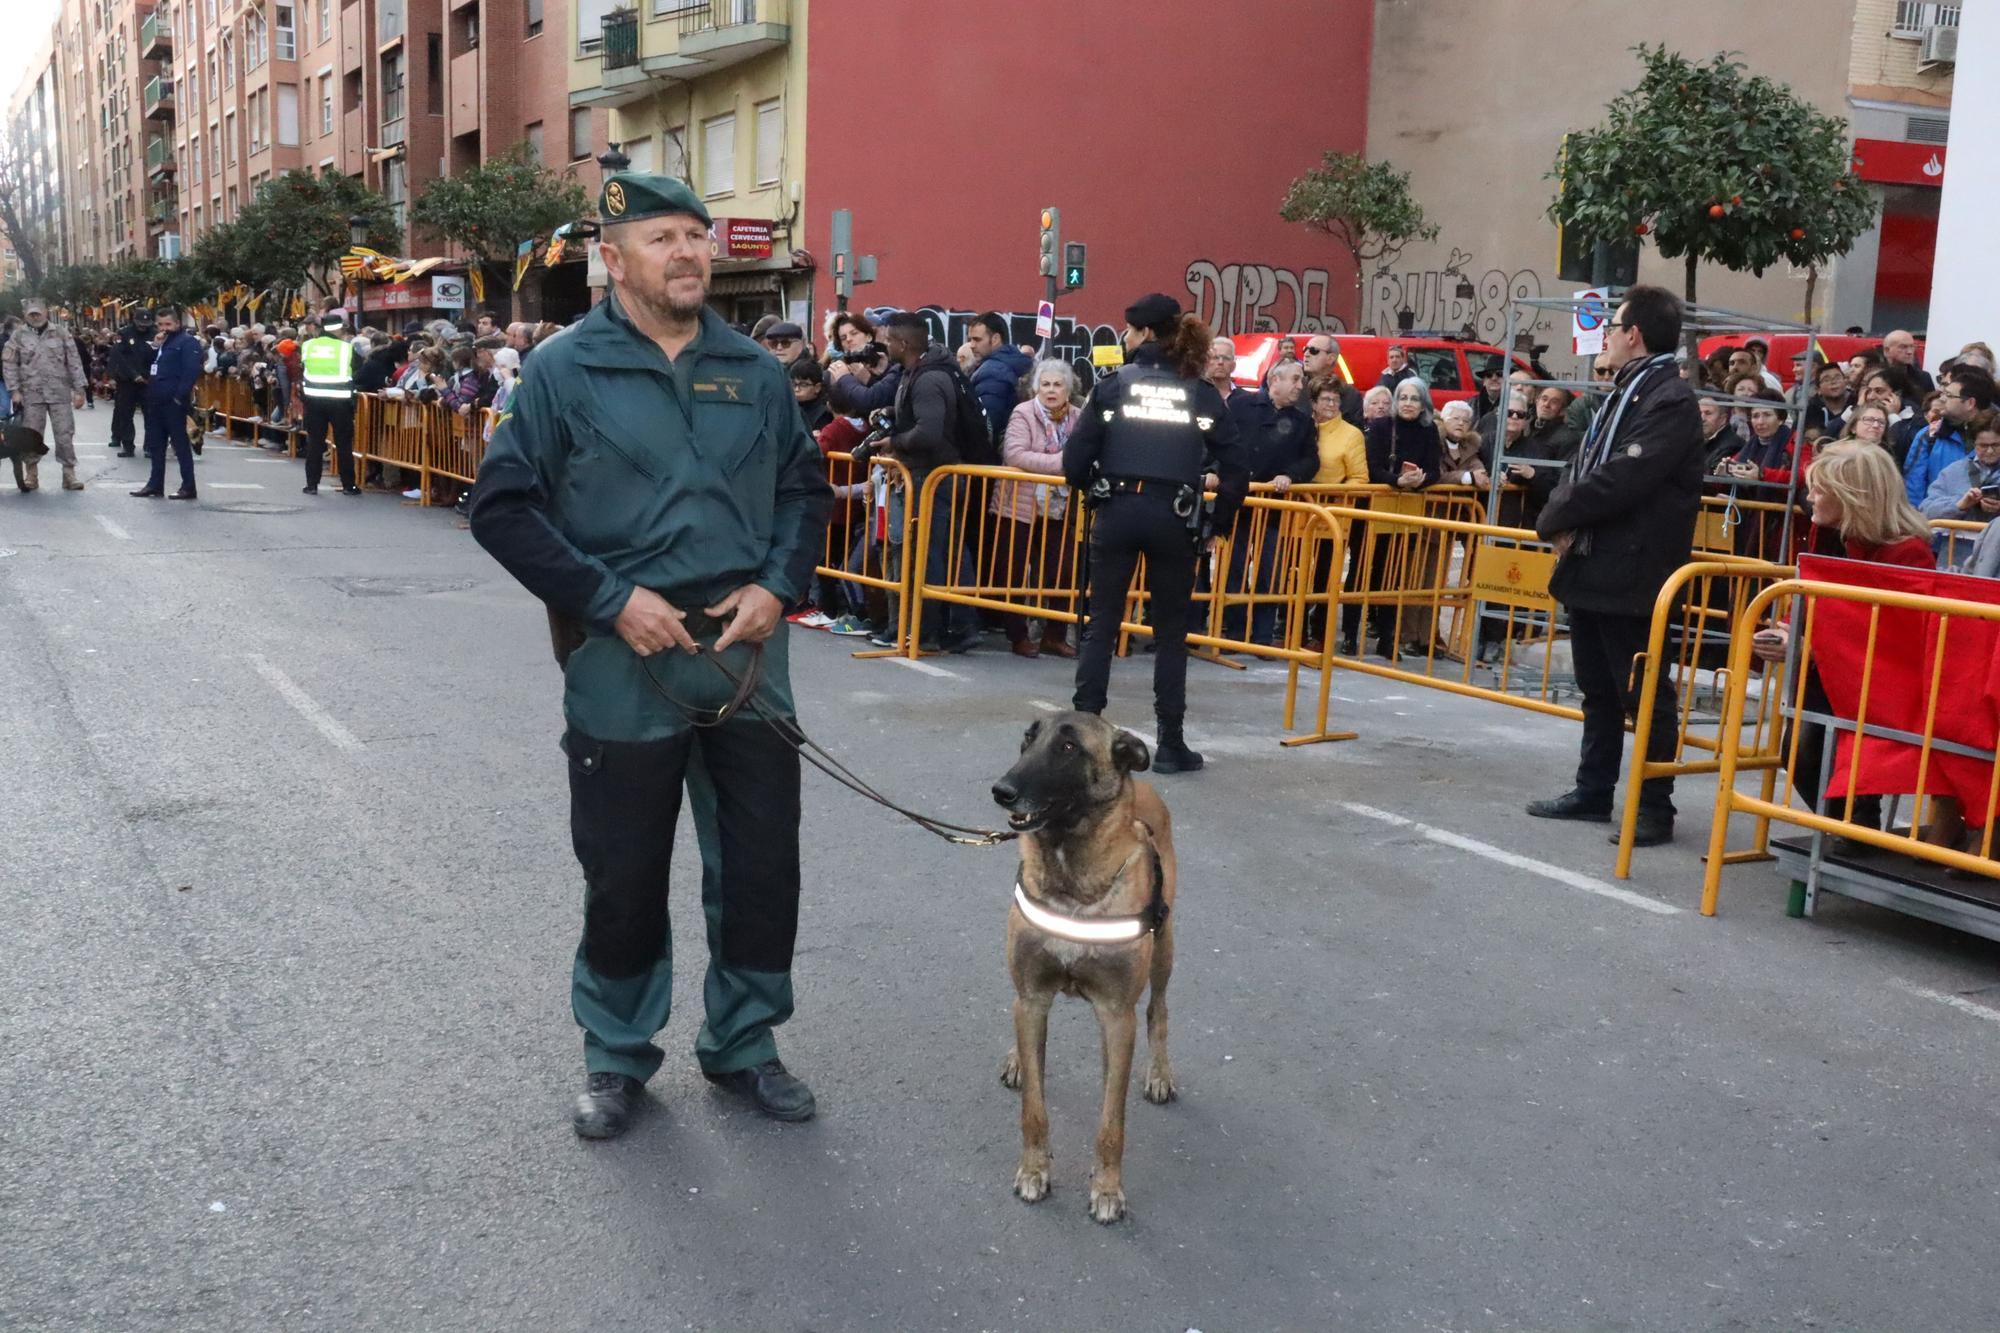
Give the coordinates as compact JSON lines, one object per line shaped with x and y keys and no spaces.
{"x":1855,"y":493}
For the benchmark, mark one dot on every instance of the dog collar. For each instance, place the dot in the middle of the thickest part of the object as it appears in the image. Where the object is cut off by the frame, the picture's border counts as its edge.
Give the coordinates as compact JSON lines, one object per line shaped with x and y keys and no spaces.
{"x":1098,"y":929}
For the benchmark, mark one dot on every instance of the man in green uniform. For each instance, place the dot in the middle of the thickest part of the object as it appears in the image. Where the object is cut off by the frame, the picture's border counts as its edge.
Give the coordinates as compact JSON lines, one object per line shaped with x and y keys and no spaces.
{"x":653,"y":482}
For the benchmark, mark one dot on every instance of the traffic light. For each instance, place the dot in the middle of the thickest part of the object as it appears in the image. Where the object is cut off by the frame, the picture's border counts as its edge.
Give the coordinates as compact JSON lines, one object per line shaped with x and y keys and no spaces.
{"x":1074,"y":255}
{"x":1051,"y":240}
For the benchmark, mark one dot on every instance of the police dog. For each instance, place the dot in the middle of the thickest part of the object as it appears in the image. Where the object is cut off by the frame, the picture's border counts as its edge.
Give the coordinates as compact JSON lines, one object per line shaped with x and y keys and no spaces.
{"x":1090,"y":918}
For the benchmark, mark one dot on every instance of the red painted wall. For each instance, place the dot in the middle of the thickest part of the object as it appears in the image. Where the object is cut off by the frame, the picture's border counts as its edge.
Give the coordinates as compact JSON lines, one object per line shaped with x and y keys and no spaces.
{"x":1166,"y":132}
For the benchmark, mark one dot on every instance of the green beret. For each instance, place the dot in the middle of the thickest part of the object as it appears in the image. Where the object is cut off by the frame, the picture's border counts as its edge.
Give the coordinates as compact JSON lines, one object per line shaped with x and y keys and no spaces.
{"x":629,"y":196}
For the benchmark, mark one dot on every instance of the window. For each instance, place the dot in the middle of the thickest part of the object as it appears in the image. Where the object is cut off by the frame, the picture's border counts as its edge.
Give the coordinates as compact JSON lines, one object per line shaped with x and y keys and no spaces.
{"x":212,"y":84}
{"x":228,"y":60}
{"x":256,"y":42}
{"x":232,"y":202}
{"x":434,"y":74}
{"x":718,"y":155}
{"x":770,"y":141}
{"x":288,"y":39}
{"x":590,"y":23}
{"x":326,"y":104}
{"x":1438,"y":366}
{"x":641,"y":153}
{"x":579,"y":134}
{"x":534,"y":18}
{"x":288,"y":116}
{"x":392,"y":87}
{"x":534,"y":141}
{"x":230,"y":133}
{"x":194,"y":150}
{"x":325,"y":20}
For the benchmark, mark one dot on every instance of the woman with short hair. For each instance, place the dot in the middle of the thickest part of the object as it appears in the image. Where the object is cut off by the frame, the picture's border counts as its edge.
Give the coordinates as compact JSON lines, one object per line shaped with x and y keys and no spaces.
{"x":1030,"y":533}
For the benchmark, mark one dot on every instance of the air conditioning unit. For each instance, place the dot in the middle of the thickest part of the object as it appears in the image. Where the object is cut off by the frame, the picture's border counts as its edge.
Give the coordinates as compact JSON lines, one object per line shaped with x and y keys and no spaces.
{"x":1940,"y":46}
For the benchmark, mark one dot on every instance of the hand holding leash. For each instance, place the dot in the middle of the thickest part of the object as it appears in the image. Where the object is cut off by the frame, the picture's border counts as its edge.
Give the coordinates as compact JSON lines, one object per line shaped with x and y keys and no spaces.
{"x":752,"y":614}
{"x":650,"y":624}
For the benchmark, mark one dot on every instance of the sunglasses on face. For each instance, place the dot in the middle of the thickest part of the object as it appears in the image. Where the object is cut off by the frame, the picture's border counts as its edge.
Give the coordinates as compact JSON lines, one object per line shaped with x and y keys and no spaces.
{"x":1515,"y":414}
{"x":1600,"y":374}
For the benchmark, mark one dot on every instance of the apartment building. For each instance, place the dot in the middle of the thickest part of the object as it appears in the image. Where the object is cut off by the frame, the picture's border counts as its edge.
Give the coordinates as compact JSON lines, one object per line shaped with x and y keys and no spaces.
{"x":103,"y":82}
{"x":34,"y":122}
{"x":1901,"y":62}
{"x":712,"y":91}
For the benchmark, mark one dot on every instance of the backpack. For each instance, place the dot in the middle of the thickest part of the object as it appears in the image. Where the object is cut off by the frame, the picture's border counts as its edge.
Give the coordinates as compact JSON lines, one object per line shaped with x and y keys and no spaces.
{"x":967,"y":430}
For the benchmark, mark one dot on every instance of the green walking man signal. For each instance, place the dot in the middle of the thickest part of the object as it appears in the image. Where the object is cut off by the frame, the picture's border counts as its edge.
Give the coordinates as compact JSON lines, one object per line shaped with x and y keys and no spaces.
{"x":1074,"y":255}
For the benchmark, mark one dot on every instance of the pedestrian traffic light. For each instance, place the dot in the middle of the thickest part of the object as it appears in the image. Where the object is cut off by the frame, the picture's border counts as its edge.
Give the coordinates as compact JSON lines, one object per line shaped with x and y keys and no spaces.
{"x":1074,"y":255}
{"x":1051,"y":240}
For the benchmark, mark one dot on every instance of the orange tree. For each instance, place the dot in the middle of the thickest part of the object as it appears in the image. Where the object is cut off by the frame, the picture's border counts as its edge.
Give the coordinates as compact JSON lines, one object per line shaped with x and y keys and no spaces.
{"x":1713,"y":163}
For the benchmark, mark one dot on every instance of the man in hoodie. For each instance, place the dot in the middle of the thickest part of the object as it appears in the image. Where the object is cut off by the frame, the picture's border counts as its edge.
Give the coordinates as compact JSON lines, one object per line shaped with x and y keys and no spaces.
{"x":130,"y":364}
{"x":996,"y":376}
{"x":931,"y":423}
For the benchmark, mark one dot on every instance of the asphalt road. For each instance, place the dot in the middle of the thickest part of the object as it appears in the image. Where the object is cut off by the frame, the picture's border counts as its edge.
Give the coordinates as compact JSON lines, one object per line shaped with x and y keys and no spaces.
{"x":284,"y":1037}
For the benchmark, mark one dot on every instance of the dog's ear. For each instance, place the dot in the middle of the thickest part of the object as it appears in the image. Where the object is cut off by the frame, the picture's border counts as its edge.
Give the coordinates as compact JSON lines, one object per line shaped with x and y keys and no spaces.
{"x":1028,"y":738}
{"x":1130,"y":754}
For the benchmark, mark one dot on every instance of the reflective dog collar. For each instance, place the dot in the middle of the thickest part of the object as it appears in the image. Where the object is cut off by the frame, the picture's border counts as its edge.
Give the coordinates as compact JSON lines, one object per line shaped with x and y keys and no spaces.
{"x":1078,"y":929}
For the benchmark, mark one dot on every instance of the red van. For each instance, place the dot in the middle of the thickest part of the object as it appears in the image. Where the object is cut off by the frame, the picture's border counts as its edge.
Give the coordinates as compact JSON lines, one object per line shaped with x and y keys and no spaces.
{"x":1785,"y":346}
{"x":1450,"y":366}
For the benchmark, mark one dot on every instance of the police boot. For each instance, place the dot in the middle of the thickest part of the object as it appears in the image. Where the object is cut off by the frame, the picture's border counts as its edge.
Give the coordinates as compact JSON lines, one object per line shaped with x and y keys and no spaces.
{"x":33,"y":477}
{"x":71,"y":482}
{"x":1172,"y":755}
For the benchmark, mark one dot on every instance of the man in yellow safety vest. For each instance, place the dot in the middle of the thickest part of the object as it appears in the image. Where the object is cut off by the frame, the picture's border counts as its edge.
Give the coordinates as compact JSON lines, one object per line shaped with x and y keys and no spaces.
{"x":328,"y":389}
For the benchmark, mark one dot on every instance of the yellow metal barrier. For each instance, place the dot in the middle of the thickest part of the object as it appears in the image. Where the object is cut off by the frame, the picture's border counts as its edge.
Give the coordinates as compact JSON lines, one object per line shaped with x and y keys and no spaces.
{"x":1729,"y":801}
{"x":1032,"y":566}
{"x":1701,"y":603}
{"x":866,"y":541}
{"x":1959,"y":536}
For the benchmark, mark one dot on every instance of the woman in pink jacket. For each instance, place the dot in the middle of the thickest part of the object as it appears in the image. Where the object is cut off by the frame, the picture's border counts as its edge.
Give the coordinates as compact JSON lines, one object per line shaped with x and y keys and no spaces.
{"x":1031,"y":541}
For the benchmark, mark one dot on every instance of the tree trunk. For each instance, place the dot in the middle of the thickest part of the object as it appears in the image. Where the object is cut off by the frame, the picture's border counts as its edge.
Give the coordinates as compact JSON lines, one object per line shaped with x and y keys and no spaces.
{"x":1812,"y":289}
{"x":1692,"y":264}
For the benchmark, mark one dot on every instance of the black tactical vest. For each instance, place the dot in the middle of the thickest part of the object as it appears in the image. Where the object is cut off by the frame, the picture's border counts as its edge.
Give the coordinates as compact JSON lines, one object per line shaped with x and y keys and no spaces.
{"x":1151,"y":428}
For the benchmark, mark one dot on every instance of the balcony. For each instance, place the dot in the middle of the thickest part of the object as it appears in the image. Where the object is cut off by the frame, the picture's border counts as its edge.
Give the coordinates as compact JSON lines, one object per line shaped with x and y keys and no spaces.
{"x":635,"y":58}
{"x":159,"y":98}
{"x":156,"y":37}
{"x":722,"y":33}
{"x":159,"y":157}
{"x":465,"y":98}
{"x":621,"y":39}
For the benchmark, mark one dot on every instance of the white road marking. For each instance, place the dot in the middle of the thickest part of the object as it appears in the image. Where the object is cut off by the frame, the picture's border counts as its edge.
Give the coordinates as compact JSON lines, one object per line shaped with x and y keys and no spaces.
{"x":322,"y":722}
{"x":1045,"y":705}
{"x":1958,"y":1002}
{"x":918,"y":664}
{"x":111,"y":527}
{"x":235,"y":486}
{"x":1569,"y":878}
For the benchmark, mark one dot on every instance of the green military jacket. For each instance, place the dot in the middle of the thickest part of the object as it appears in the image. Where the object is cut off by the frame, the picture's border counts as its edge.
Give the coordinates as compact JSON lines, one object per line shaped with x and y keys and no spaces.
{"x":613,"y":468}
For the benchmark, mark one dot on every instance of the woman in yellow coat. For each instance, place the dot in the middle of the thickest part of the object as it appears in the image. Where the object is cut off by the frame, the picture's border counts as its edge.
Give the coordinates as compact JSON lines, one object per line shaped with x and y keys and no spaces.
{"x":1343,"y":461}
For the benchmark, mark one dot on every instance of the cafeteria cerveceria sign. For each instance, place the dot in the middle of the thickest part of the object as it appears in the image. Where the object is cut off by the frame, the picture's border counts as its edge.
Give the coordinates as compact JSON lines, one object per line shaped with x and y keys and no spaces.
{"x":742,"y":238}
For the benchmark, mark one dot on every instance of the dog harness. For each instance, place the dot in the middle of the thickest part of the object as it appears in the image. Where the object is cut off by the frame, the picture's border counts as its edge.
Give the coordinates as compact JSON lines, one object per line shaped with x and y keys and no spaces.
{"x":1099,"y":929}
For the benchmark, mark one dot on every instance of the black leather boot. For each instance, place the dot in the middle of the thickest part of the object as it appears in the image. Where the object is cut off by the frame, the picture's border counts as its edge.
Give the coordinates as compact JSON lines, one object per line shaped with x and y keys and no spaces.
{"x":605,"y":1107}
{"x":1172,"y":755}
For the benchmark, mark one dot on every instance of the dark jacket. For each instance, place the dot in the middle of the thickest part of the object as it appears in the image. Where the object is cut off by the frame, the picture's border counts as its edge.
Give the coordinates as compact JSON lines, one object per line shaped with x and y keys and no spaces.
{"x":131,"y":358}
{"x":996,"y":383}
{"x":176,"y":367}
{"x":1824,"y":418}
{"x":1223,"y":453}
{"x":1638,"y":506}
{"x":818,"y":415}
{"x":1720,"y":448}
{"x":1276,"y":441}
{"x":1544,"y":441}
{"x":1391,"y":378}
{"x":1393,"y":442}
{"x":925,"y":413}
{"x":375,"y":373}
{"x":851,"y":398}
{"x":1774,"y":457}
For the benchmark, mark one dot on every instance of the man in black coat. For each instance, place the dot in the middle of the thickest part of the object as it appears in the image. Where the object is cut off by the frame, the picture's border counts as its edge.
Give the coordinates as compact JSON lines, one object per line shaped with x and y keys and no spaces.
{"x":129,"y":364}
{"x":1622,"y":523}
{"x":1280,"y":443}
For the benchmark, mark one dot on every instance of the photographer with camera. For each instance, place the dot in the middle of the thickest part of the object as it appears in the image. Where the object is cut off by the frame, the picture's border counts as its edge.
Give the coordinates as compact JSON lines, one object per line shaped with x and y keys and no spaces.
{"x":862,"y":381}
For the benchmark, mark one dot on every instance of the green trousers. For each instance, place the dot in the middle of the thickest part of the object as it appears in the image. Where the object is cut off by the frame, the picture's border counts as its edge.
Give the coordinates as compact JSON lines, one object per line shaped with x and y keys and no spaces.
{"x":742,"y":786}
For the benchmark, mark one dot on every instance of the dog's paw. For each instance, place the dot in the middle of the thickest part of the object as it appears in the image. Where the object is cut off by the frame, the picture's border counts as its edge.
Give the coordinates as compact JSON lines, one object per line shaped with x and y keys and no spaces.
{"x":1106,"y":1205}
{"x":1031,"y":1183}
{"x":1160,"y":1087}
{"x":1010,"y":1069}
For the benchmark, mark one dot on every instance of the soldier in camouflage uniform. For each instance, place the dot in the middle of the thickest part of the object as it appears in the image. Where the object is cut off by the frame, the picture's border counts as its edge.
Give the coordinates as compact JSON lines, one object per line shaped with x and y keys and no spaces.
{"x":44,"y":375}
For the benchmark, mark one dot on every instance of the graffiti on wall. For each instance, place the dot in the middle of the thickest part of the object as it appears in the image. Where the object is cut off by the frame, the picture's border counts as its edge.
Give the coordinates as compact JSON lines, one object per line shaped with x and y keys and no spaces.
{"x":1071,"y":341}
{"x":1451,"y":298}
{"x":1261,"y":298}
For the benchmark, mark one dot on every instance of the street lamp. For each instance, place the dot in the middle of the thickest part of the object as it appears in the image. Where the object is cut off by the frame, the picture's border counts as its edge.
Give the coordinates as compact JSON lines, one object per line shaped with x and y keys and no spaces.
{"x":612,"y":159}
{"x":357,"y":229}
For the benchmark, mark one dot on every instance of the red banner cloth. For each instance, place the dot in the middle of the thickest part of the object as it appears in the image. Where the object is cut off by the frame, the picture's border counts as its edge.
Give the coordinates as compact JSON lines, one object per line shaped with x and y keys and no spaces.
{"x":1899,"y":683}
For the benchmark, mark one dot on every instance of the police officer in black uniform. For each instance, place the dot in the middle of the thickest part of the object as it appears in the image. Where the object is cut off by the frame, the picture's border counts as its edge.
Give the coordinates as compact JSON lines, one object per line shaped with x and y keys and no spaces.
{"x":1137,"y":455}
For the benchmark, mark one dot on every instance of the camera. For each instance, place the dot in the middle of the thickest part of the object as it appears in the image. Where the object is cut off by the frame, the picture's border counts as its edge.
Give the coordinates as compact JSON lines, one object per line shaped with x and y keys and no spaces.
{"x":867,"y":356}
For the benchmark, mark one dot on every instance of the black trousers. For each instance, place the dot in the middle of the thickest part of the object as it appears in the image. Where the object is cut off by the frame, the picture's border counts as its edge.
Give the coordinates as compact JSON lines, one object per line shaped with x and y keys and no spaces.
{"x":1126,"y":527}
{"x":339,"y":414}
{"x":1603,"y":647}
{"x":625,"y":800}
{"x":123,"y":406}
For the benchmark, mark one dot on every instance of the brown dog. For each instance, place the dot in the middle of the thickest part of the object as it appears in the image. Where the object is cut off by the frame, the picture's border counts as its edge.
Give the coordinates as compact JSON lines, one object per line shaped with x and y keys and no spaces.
{"x":1090,"y":918}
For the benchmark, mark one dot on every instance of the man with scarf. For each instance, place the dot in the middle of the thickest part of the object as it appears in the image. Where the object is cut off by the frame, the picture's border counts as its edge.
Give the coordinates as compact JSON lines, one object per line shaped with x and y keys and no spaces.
{"x":1621,"y":523}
